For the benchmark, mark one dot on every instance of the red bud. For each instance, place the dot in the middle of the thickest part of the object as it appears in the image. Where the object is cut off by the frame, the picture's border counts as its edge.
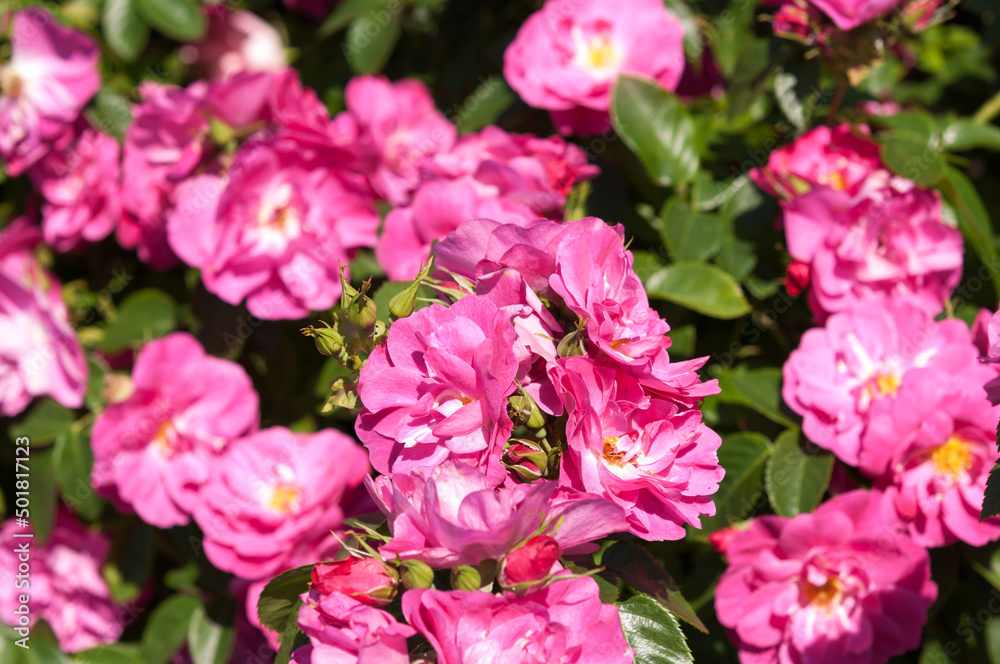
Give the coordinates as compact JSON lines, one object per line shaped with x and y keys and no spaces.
{"x":367,"y":580}
{"x":532,"y":561}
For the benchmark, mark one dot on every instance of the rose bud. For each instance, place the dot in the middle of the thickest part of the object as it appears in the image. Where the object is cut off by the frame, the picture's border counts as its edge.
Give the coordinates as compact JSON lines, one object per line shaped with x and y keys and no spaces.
{"x":796,"y":277}
{"x":530,"y":562}
{"x":368,"y":580}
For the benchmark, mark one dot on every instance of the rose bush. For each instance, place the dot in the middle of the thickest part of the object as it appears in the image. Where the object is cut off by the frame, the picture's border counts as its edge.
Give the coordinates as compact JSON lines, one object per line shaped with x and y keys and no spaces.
{"x":422,"y":331}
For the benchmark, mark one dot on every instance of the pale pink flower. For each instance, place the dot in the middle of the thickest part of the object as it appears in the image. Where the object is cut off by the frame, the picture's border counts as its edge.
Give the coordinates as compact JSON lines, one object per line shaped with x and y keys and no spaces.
{"x":439,"y":385}
{"x":80,"y":186}
{"x":566,"y":621}
{"x":451,"y":515}
{"x":399,"y":130}
{"x":655,"y":460}
{"x":236,"y":41}
{"x":567,"y":56}
{"x":275,"y":231}
{"x":154,"y":450}
{"x":932,"y":449}
{"x":275,"y":496}
{"x":63,"y":585}
{"x":836,"y":586}
{"x":39,"y":352}
{"x":51,"y":75}
{"x":862,"y":356}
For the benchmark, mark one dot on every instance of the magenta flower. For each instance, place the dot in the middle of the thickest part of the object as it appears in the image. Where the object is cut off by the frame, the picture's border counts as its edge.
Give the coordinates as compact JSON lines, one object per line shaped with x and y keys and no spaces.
{"x":563,"y":622}
{"x":839,"y":158}
{"x":860,"y":357}
{"x":451,"y":515}
{"x":399,"y":130}
{"x":341,"y":630}
{"x":567,"y":56}
{"x":932,"y":448}
{"x":65,"y":585}
{"x":831,"y":587}
{"x":236,"y":41}
{"x":275,"y":231}
{"x":154,"y":450}
{"x":439,"y":385}
{"x":39,"y":352}
{"x":275,"y":494}
{"x":80,"y":185}
{"x":655,"y":460}
{"x":849,"y":14}
{"x":165,"y":143}
{"x":51,"y":75}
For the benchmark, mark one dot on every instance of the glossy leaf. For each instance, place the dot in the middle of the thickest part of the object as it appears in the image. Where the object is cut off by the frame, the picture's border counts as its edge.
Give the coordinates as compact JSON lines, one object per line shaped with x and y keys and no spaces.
{"x":699,"y":287}
{"x":796,"y":480}
{"x":653,"y":632}
{"x":124,"y":30}
{"x":73,"y":463}
{"x":181,"y":20}
{"x":280,"y":595}
{"x":167,"y":629}
{"x":744,"y":455}
{"x":690,"y":235}
{"x":208,"y":641}
{"x":759,"y":389}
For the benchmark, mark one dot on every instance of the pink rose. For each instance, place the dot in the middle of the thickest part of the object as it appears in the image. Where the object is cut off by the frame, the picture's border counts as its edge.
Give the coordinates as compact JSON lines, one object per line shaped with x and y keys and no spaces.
{"x":342,"y":630}
{"x":165,"y":143}
{"x":368,"y":580}
{"x":839,"y":158}
{"x":66,"y":587}
{"x":566,"y":57}
{"x":860,"y":357}
{"x":439,"y":385}
{"x":656,"y":461}
{"x":831,"y":587}
{"x":451,"y":515}
{"x":532,"y":561}
{"x":51,"y":75}
{"x":275,"y":494}
{"x":849,"y":14}
{"x":932,"y":448}
{"x":399,"y":130}
{"x":39,"y":352}
{"x":563,"y":622}
{"x":275,"y":230}
{"x":80,"y":186}
{"x":154,"y":450}
{"x":236,"y":41}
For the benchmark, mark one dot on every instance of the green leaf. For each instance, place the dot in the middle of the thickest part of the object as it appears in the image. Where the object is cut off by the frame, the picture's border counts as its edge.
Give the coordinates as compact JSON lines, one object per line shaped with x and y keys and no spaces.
{"x":42,"y":492}
{"x":11,"y":653}
{"x":744,"y":455}
{"x":490,"y":98}
{"x":699,"y":287}
{"x":73,"y":462}
{"x":129,"y":563}
{"x":933,"y":652}
{"x":168,"y":628}
{"x":992,"y":638}
{"x":124,"y":31}
{"x":759,"y":389}
{"x":918,"y":126}
{"x":290,"y":634}
{"x":796,"y":481}
{"x":44,"y":651}
{"x":118,"y":653}
{"x":912,"y":158}
{"x":973,"y":219}
{"x":112,"y":113}
{"x":991,"y":501}
{"x":280,"y":595}
{"x":181,"y":20}
{"x":653,"y":632}
{"x":636,"y":566}
{"x":208,"y":641}
{"x":43,"y":423}
{"x":657,"y":128}
{"x":737,"y":257}
{"x":144,"y":315}
{"x":968,"y":135}
{"x":797,"y":93}
{"x":370,"y":40}
{"x":690,"y":235}
{"x":346,"y":12}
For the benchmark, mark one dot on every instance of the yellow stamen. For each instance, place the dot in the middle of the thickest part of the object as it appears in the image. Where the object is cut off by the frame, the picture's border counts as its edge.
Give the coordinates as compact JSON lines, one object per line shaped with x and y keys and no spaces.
{"x":285,"y":498}
{"x":883,"y":384}
{"x":953,"y":458}
{"x":825,"y":595}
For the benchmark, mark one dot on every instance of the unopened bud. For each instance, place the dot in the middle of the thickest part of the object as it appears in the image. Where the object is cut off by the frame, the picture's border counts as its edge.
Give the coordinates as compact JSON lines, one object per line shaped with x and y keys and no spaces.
{"x":796,"y":277}
{"x":328,"y":340}
{"x":344,"y":395}
{"x":416,"y":574}
{"x":368,"y":580}
{"x":465,"y":577}
{"x":403,"y":303}
{"x":570,"y":345}
{"x":531,"y":561}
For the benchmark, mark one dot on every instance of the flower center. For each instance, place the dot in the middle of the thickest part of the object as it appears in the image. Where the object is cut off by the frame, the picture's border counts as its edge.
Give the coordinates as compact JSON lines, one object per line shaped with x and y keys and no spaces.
{"x":11,"y":84}
{"x":953,"y":458}
{"x":285,"y":498}
{"x":834,"y":180}
{"x":825,"y":595}
{"x":597,"y":53}
{"x":883,"y":384}
{"x":611,"y":453}
{"x":163,"y":436}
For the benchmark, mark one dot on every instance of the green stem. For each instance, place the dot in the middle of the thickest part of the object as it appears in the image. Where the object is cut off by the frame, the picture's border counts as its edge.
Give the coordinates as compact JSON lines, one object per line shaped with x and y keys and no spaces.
{"x":838,"y":99}
{"x":988,"y":111}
